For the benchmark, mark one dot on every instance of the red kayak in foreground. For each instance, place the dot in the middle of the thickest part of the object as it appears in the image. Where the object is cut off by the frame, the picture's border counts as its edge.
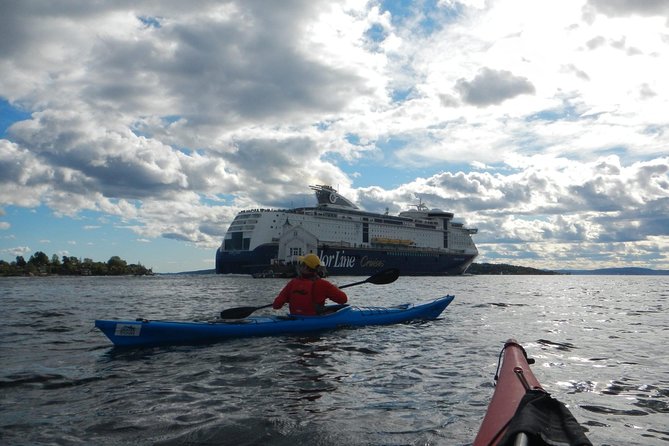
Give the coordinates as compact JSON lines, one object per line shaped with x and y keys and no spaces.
{"x":521,"y":412}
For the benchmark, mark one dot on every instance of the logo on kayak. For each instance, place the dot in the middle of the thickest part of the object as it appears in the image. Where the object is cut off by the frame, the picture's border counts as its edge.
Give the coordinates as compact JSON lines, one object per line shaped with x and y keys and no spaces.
{"x":128,"y":329}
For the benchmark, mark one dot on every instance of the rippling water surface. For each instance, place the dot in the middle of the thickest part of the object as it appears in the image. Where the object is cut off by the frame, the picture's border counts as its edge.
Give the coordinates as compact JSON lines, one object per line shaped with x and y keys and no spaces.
{"x":599,"y":344}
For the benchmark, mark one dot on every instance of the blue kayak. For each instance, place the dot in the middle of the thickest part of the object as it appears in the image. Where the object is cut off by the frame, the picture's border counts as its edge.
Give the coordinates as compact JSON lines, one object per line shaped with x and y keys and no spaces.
{"x":144,"y":332}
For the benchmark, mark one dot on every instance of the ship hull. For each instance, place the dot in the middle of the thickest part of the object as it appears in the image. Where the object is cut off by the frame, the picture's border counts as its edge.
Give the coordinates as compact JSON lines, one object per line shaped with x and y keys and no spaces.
{"x":346,"y":261}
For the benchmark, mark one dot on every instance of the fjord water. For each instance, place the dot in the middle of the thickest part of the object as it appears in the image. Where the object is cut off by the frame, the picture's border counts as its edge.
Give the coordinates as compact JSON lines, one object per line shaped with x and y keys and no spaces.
{"x":599,"y":344}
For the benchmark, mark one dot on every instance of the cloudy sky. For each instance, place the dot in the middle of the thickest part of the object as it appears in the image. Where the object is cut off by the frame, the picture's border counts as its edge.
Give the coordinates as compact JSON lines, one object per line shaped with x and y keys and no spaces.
{"x":140,"y":128}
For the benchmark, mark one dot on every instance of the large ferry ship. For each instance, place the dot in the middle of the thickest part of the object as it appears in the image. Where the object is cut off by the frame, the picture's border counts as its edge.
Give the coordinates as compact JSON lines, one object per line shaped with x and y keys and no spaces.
{"x":349,"y":241}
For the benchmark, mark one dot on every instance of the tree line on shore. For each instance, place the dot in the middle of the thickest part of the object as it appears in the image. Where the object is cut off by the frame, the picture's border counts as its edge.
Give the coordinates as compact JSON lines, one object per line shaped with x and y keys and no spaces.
{"x":505,"y":269}
{"x":40,"y":264}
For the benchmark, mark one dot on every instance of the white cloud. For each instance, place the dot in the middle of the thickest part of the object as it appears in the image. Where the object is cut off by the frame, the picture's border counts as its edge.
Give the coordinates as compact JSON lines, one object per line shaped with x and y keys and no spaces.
{"x":492,"y":87}
{"x":18,"y":251}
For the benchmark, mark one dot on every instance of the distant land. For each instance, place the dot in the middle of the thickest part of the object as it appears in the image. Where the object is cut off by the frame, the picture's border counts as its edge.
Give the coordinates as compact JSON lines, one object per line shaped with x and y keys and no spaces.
{"x":630,"y":271}
{"x":501,"y":268}
{"x":481,"y":269}
{"x":200,"y":271}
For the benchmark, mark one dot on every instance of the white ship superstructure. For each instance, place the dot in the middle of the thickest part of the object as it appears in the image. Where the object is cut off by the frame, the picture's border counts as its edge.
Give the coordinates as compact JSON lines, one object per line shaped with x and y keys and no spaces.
{"x":348,"y":240}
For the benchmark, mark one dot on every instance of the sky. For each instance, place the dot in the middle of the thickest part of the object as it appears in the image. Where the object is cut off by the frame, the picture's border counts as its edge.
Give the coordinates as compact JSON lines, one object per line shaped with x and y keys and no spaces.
{"x":140,"y":128}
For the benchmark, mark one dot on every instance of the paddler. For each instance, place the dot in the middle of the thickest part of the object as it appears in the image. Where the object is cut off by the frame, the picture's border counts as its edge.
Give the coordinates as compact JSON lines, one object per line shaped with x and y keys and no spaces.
{"x":306,"y":294}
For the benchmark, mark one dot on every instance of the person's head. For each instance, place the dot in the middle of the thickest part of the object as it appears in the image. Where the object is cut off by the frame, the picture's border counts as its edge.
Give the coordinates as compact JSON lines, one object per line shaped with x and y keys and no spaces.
{"x":309,"y":264}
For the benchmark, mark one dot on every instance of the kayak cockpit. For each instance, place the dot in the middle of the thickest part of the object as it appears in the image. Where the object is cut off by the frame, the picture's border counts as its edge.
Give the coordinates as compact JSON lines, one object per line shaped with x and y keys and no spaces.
{"x":324,"y":312}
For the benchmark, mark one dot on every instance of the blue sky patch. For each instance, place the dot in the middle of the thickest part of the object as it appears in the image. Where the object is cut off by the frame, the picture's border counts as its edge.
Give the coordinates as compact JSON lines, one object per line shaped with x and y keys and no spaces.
{"x":376,"y":33}
{"x":151,"y":22}
{"x":9,"y":115}
{"x":400,"y":95}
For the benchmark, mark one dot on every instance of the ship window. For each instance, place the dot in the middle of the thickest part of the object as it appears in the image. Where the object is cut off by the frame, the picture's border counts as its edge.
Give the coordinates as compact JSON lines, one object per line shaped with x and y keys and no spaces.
{"x":236,"y":242}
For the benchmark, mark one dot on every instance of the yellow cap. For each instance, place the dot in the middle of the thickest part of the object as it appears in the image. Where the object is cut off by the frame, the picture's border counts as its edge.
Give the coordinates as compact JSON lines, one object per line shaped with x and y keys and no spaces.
{"x":311,"y":260}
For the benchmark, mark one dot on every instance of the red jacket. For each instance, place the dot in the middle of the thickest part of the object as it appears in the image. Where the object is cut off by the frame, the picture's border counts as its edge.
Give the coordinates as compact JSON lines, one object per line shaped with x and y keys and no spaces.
{"x":306,"y":296}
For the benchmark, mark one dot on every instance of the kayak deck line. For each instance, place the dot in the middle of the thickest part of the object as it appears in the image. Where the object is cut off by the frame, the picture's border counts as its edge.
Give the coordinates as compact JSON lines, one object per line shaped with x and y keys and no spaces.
{"x":365,"y":311}
{"x":145,"y":332}
{"x":521,"y":412}
{"x":518,"y":370}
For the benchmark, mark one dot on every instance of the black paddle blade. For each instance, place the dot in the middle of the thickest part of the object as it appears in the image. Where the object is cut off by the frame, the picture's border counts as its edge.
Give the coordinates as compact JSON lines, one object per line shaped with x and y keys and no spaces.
{"x":385,"y":276}
{"x":237,"y":313}
{"x":380,"y":278}
{"x":240,"y":312}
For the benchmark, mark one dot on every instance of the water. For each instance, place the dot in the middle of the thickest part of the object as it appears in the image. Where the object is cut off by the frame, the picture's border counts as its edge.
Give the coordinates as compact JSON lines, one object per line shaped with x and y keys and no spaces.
{"x":599,"y":343}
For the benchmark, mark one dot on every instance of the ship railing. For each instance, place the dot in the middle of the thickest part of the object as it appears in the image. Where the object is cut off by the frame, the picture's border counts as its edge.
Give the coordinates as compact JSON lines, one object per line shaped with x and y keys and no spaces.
{"x":337,"y":243}
{"x":246,"y":211}
{"x":410,"y":248}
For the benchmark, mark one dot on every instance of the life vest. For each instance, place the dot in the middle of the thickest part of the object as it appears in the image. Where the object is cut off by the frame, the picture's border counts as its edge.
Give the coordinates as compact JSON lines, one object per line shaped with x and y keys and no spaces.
{"x":301,"y":299}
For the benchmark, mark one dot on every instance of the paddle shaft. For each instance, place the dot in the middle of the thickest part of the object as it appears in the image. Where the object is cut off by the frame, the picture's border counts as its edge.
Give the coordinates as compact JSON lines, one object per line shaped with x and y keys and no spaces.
{"x":353,"y":284}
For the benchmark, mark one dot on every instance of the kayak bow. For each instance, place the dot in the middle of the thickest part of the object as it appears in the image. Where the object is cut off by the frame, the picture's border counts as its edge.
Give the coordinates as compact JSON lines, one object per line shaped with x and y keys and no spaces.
{"x":143,"y":332}
{"x":521,"y":412}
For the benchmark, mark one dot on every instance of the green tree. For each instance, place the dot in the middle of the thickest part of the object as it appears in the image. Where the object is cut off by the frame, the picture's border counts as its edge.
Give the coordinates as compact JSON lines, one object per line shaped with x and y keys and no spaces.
{"x":99,"y":269}
{"x":39,"y":259}
{"x":117,"y":266}
{"x":30,"y":269}
{"x":39,"y":262}
{"x":7,"y":269}
{"x":70,"y":266}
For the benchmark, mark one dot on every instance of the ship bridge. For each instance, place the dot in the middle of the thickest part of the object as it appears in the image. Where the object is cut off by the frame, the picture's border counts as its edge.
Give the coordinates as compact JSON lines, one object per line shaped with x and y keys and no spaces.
{"x":327,"y":196}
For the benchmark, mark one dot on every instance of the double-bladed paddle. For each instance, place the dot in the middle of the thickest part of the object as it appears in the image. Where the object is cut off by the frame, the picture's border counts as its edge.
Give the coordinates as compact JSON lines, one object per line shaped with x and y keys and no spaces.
{"x":380,"y":278}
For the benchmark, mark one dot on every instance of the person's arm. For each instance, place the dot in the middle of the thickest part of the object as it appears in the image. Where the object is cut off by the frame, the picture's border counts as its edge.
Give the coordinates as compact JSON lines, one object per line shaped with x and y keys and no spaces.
{"x":283,"y":297}
{"x":333,"y":293}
